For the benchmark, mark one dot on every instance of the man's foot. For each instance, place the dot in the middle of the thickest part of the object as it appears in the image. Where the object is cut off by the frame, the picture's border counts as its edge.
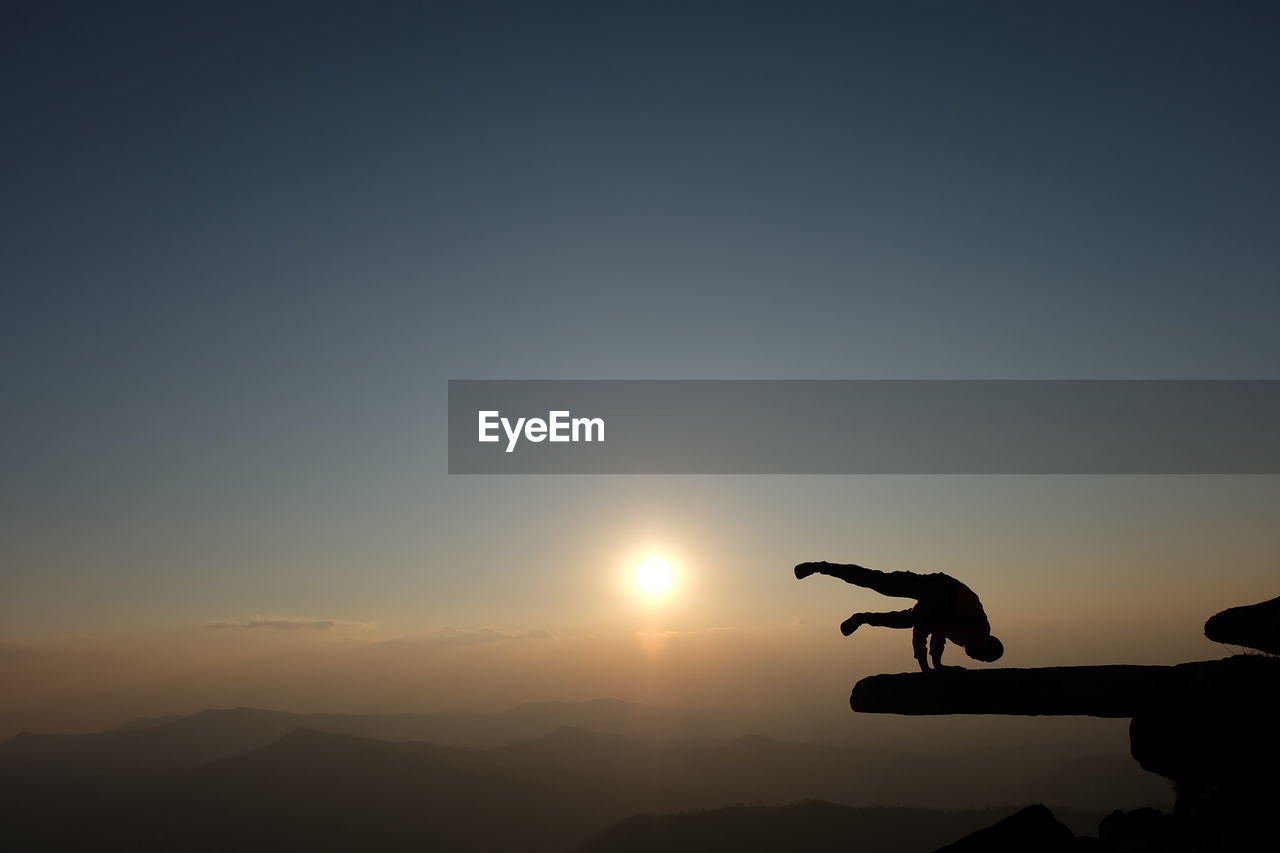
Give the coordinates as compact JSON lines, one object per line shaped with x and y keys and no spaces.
{"x":803,"y":570}
{"x":851,"y":624}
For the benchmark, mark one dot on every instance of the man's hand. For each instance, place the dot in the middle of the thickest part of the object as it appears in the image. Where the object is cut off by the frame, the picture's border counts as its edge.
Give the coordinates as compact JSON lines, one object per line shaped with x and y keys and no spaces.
{"x":803,"y":570}
{"x":919,"y":637}
{"x":937,"y":645}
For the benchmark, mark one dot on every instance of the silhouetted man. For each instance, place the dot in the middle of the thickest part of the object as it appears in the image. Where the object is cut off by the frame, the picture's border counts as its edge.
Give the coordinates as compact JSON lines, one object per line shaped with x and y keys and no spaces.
{"x":945,"y":610}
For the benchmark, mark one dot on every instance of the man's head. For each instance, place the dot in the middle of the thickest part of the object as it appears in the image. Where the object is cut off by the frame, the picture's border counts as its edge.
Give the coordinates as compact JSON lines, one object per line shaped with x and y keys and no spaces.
{"x":988,"y":649}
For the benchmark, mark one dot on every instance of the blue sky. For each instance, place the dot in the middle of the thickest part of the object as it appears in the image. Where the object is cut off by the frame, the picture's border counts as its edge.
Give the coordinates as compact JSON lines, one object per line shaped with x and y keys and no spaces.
{"x":248,"y":244}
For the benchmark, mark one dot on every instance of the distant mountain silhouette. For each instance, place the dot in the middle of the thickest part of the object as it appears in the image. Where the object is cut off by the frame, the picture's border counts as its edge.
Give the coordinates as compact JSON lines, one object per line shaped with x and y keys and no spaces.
{"x":319,"y":791}
{"x":325,"y":791}
{"x":1031,"y":828}
{"x":701,"y":771}
{"x":813,"y":827}
{"x":315,"y":791}
{"x":166,"y":744}
{"x":142,"y":723}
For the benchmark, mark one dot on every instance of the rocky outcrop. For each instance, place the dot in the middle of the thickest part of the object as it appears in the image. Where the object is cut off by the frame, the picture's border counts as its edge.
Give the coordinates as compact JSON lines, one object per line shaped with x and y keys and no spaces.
{"x":1093,"y":691}
{"x":1097,"y":691}
{"x":1211,"y":727}
{"x":1137,"y":831}
{"x":1254,"y":626}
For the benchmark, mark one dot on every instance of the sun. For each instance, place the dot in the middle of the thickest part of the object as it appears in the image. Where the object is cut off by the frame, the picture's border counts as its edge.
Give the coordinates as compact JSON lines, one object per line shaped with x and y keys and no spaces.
{"x":654,"y":577}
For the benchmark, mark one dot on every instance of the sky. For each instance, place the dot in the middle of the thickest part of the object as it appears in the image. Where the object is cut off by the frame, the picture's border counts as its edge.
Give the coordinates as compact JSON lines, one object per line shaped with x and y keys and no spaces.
{"x":248,"y":244}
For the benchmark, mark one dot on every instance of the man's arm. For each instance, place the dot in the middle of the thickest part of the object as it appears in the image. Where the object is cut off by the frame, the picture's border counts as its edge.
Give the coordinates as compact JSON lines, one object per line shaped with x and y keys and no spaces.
{"x":937,"y":644}
{"x":919,"y":634}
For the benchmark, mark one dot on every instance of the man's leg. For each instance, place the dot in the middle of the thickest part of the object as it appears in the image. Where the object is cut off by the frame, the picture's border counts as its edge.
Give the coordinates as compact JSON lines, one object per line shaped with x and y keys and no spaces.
{"x":895,"y":584}
{"x":896,"y":619}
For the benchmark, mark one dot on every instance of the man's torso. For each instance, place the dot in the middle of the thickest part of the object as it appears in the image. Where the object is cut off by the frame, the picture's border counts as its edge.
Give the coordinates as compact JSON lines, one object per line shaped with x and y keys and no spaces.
{"x":952,"y":609}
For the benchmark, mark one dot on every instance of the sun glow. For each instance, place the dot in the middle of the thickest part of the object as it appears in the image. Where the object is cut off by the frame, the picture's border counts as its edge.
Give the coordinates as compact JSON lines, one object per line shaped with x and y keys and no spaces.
{"x":654,"y":576}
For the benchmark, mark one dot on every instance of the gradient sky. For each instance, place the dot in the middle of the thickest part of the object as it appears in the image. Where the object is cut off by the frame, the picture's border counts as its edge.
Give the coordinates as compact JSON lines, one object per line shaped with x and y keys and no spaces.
{"x":247,"y":244}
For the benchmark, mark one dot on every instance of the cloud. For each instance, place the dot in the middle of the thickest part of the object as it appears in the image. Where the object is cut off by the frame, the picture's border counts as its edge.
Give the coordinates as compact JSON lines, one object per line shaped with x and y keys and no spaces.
{"x":699,"y":633}
{"x":10,"y":650}
{"x":471,"y":637}
{"x":284,"y":625}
